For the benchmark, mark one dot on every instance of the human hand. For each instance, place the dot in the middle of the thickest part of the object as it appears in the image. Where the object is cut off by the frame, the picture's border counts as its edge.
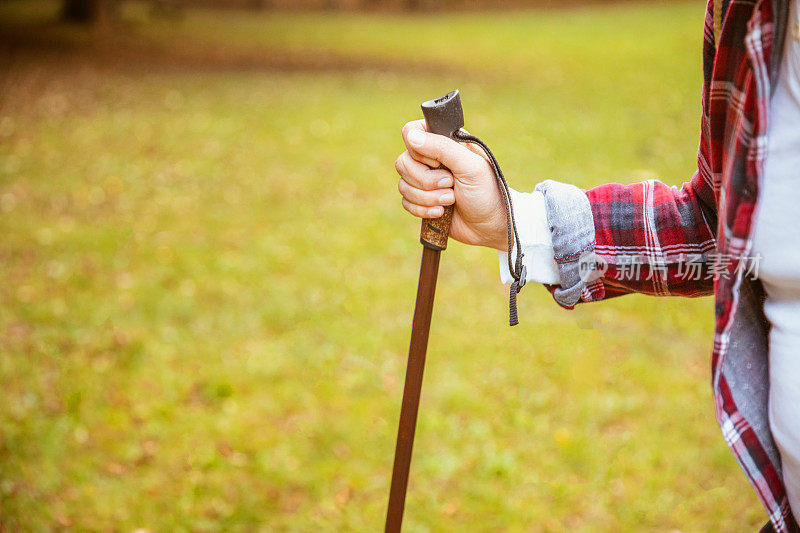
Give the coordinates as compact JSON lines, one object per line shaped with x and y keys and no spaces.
{"x":468,"y":181}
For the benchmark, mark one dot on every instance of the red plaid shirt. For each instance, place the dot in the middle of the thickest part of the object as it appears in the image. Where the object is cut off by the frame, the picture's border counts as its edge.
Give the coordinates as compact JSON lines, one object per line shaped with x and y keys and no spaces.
{"x":710,"y":217}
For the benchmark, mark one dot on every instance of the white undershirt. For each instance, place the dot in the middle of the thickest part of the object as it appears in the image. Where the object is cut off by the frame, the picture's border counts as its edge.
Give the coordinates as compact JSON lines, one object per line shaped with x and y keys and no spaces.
{"x":776,"y":239}
{"x":776,"y":245}
{"x":534,"y":236}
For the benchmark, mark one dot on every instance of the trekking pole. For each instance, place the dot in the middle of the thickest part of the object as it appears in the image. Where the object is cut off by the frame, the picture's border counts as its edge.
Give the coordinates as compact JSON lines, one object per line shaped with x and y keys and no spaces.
{"x":443,"y":116}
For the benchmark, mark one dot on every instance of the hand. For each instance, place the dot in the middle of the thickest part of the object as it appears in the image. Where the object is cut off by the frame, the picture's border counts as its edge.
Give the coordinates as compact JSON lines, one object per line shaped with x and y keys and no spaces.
{"x":468,"y":180}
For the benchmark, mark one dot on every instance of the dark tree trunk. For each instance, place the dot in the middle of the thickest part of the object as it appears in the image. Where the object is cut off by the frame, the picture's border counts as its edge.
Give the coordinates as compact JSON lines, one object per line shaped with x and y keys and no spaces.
{"x":87,"y":11}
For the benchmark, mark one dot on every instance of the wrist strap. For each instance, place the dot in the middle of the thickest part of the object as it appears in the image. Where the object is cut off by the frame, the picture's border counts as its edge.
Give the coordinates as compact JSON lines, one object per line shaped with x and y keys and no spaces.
{"x":517,"y":269}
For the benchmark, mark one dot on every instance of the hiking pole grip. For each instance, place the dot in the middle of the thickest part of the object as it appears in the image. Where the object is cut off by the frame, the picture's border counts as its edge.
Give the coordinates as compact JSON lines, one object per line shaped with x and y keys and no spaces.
{"x":443,"y":116}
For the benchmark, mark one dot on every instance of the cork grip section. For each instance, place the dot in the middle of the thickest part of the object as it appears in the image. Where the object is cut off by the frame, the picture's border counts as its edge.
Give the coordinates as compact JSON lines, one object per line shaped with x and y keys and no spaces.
{"x":435,"y":231}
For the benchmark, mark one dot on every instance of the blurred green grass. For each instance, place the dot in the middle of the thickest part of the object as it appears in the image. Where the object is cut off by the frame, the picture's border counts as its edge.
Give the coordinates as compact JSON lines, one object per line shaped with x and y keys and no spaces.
{"x":208,"y":281}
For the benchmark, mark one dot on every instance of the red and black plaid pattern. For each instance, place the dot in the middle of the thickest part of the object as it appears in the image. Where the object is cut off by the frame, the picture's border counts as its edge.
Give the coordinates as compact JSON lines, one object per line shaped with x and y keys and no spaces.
{"x":708,"y":219}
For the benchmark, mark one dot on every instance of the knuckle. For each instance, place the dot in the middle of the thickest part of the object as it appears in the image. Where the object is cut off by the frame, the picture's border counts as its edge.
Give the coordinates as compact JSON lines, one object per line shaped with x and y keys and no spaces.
{"x":405,"y":189}
{"x":399,"y":164}
{"x":411,"y":194}
{"x":414,"y":209}
{"x":435,"y":144}
{"x":431,"y":199}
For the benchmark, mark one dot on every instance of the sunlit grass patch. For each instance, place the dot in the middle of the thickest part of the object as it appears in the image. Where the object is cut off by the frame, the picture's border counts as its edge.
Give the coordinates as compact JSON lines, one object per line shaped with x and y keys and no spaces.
{"x":208,"y":280}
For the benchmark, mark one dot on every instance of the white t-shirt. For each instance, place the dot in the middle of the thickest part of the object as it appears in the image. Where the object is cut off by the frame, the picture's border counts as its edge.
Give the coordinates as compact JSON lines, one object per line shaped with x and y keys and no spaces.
{"x":776,"y":247}
{"x":776,"y":241}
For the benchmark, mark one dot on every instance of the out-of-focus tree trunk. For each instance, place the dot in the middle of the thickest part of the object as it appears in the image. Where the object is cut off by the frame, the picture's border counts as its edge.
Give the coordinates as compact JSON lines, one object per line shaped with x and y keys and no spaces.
{"x":87,"y":11}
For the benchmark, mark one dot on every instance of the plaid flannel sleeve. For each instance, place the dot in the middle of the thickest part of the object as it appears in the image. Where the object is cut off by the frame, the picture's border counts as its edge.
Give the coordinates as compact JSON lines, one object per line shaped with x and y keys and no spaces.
{"x":645,"y":237}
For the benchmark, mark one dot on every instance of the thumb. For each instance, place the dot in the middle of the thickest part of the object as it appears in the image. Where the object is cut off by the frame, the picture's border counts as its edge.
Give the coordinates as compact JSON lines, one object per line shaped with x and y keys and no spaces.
{"x":440,"y":148}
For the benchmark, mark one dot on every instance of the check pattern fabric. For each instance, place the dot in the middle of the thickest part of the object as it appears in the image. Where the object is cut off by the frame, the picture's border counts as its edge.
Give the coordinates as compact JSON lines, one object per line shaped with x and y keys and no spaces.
{"x":706,"y":222}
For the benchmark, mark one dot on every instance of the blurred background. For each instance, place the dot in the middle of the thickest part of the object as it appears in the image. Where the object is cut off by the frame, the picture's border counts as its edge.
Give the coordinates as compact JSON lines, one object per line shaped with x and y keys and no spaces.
{"x":207,"y":279}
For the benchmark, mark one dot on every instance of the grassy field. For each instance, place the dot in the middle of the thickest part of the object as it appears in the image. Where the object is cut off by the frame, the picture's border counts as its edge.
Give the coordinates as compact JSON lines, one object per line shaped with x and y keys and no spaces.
{"x":207,"y":280}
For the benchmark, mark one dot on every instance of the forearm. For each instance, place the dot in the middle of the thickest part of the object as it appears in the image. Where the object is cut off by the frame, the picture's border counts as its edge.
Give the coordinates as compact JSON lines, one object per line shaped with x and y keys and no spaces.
{"x":654,"y":239}
{"x":616,"y":239}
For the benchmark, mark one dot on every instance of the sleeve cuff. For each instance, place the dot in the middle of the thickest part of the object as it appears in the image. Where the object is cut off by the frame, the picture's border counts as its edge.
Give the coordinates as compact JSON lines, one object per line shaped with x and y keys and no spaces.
{"x":569,"y":214}
{"x":535,"y":239}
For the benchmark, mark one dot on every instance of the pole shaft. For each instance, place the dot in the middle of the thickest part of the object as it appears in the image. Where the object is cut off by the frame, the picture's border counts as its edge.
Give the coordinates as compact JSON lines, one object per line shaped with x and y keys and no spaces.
{"x":443,"y":116}
{"x":428,"y":272}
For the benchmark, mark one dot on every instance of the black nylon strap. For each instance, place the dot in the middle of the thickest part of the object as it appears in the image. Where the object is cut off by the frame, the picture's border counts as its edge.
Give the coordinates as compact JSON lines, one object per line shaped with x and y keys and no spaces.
{"x":517,"y":269}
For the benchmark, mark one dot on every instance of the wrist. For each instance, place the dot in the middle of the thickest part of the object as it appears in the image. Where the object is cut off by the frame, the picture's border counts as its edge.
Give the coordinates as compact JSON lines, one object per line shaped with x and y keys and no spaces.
{"x":499,"y":226}
{"x":499,"y":239}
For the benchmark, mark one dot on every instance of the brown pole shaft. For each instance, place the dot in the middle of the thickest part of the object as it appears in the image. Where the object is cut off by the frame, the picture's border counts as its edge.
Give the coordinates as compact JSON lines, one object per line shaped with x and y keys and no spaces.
{"x":428,"y":272}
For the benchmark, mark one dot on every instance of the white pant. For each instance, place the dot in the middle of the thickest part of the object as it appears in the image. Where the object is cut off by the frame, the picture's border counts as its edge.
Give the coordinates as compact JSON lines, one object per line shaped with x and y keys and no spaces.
{"x":784,"y":404}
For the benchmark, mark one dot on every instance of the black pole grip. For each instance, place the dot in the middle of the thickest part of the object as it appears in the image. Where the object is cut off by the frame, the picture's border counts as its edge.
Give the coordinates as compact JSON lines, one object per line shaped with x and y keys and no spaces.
{"x":444,"y":116}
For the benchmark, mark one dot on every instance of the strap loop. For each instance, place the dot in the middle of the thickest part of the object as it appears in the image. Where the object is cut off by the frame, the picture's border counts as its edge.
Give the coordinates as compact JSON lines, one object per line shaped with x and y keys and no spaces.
{"x":517,"y":269}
